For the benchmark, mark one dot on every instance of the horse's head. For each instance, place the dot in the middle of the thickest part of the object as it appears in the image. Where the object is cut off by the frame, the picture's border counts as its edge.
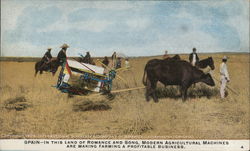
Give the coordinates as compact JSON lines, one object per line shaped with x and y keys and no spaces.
{"x":176,"y":57}
{"x":211,"y":63}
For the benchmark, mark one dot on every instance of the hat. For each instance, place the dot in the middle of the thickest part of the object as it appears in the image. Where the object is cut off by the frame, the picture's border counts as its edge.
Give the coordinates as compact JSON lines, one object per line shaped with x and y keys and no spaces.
{"x":49,"y":48}
{"x":65,"y":46}
{"x":225,"y":58}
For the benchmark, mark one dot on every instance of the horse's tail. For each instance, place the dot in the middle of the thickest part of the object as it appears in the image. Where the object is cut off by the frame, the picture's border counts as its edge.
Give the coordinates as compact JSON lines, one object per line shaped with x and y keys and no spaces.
{"x":144,"y":81}
{"x":36,"y":68}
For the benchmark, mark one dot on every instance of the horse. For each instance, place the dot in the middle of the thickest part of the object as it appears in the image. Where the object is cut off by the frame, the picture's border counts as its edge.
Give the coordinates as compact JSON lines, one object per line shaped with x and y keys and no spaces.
{"x":205,"y":63}
{"x":50,"y":67}
{"x":176,"y":57}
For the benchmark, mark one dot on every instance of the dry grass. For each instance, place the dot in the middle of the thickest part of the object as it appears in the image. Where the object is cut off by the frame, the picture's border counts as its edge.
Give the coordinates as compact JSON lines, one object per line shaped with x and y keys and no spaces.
{"x":17,"y":103}
{"x":52,"y":114}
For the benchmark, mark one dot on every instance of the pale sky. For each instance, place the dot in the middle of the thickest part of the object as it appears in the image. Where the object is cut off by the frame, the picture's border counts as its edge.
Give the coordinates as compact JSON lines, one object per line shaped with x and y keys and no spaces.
{"x":136,"y":28}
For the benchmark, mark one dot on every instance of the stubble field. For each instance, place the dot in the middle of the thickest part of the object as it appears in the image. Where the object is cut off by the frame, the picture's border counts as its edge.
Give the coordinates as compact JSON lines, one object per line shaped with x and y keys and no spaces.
{"x":45,"y":112}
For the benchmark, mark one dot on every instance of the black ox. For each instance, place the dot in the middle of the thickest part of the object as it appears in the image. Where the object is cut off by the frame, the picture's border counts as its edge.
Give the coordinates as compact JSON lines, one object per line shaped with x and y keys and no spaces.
{"x":172,"y":72}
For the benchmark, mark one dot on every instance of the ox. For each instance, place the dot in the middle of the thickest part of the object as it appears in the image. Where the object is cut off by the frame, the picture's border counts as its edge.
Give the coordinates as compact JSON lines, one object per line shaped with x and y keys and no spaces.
{"x":172,"y":72}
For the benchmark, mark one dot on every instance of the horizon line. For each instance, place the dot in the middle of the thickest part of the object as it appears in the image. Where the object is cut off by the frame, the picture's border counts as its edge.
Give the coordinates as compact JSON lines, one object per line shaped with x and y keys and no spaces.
{"x":242,"y":52}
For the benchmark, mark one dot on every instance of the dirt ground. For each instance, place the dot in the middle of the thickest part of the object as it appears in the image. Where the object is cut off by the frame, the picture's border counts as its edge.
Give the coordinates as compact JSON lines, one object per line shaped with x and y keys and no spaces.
{"x":30,"y":107}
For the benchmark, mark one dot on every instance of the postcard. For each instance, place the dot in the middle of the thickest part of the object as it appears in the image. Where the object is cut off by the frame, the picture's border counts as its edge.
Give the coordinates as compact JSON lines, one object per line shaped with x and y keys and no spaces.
{"x":124,"y":75}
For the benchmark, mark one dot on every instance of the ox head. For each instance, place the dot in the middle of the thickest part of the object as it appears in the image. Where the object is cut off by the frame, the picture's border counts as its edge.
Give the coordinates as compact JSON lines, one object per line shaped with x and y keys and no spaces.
{"x":211,"y":63}
{"x":207,"y":78}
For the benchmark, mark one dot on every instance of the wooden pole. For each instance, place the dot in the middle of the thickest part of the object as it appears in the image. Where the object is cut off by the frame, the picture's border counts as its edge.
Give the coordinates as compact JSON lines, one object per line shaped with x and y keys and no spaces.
{"x":229,"y":88}
{"x":129,"y":89}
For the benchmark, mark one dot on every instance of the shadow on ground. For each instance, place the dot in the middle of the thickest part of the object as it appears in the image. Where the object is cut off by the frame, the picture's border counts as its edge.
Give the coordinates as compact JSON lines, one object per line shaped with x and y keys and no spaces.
{"x":197,"y":91}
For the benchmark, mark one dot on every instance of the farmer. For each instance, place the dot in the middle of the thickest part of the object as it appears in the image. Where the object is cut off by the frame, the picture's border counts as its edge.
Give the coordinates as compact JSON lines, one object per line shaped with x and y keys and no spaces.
{"x":127,"y":65}
{"x":61,"y":57}
{"x":87,"y":58}
{"x":105,"y":65}
{"x":118,"y":63}
{"x":105,"y":61}
{"x":113,"y":57}
{"x":165,"y":56}
{"x":224,"y":76}
{"x":193,"y":57}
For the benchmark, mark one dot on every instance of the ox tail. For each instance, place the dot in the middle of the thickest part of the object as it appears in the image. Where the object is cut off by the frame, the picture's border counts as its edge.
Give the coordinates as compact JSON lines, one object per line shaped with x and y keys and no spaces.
{"x":144,"y":79}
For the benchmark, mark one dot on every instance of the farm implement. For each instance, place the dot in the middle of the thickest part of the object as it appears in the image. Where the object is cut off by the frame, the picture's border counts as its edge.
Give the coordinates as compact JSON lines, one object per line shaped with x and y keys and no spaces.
{"x":77,"y":78}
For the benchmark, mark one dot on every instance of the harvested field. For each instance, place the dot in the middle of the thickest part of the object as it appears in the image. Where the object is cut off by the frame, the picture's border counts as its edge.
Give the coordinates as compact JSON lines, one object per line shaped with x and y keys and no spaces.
{"x":32,"y":108}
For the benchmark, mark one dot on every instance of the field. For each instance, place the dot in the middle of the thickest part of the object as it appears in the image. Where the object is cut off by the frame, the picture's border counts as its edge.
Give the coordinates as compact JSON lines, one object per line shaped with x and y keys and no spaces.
{"x":44,"y":112}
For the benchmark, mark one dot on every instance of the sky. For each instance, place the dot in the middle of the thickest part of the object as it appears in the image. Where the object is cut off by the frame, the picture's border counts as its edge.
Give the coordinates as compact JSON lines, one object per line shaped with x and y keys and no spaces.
{"x":135,"y":28}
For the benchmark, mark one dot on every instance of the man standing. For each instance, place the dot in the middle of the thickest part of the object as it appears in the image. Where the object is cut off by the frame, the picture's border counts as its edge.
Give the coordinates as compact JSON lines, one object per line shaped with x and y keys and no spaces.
{"x":105,"y":64}
{"x":127,"y":65}
{"x":193,"y":57}
{"x":113,"y":57}
{"x":224,"y":77}
{"x":61,"y":57}
{"x":118,"y":63}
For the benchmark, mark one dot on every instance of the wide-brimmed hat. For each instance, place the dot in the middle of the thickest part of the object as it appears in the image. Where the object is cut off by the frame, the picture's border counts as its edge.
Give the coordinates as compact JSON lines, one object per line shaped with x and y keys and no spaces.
{"x":225,"y":58}
{"x":65,"y":46}
{"x":49,"y":48}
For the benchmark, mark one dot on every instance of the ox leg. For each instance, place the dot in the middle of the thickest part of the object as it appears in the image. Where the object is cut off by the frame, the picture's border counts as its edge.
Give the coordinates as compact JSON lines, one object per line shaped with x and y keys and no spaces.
{"x":148,"y":90}
{"x":184,"y":92}
{"x":154,"y":91}
{"x":184,"y":87}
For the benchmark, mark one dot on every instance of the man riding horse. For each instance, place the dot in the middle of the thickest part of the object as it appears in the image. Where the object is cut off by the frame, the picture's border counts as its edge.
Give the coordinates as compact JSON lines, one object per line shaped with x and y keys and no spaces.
{"x":166,"y":56}
{"x":46,"y":59}
{"x":201,"y":64}
{"x":53,"y":64}
{"x":87,"y":58}
{"x":193,"y":57}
